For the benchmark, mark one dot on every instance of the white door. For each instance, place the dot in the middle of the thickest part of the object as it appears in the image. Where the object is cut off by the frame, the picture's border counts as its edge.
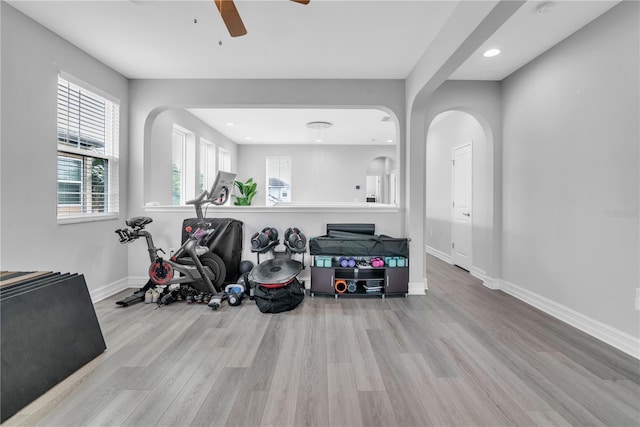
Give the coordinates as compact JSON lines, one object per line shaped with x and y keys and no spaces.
{"x":462,"y":213}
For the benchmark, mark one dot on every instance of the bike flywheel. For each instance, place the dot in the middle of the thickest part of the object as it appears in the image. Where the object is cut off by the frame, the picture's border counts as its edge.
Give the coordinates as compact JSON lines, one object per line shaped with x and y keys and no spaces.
{"x":160,"y":272}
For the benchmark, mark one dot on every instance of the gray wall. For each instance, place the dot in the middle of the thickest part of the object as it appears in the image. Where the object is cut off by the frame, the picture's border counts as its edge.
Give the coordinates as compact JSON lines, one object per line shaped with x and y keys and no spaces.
{"x":321,"y":173}
{"x":571,"y":182}
{"x":31,"y":237}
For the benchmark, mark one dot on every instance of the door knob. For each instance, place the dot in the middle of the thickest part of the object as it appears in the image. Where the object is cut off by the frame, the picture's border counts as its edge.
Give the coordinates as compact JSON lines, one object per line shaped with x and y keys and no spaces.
{"x":466,"y":213}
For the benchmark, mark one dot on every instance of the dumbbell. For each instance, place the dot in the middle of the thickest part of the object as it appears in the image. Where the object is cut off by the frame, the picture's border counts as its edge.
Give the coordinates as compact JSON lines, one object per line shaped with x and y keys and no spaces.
{"x":261,"y":240}
{"x":271,"y":232}
{"x":294,"y":237}
{"x":376,"y":262}
{"x":347,"y":262}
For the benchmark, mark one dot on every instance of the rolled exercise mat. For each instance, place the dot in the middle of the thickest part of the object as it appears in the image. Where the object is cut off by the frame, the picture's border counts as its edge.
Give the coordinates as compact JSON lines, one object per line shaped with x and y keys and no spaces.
{"x":340,"y":286}
{"x":353,"y":228}
{"x":345,"y":235}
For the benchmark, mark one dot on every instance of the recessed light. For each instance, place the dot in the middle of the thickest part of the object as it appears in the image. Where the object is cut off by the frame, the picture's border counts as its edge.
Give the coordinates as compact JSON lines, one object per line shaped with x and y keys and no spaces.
{"x":319,"y":125}
{"x":230,"y":124}
{"x":389,"y":140}
{"x":491,"y":52}
{"x":247,"y":137}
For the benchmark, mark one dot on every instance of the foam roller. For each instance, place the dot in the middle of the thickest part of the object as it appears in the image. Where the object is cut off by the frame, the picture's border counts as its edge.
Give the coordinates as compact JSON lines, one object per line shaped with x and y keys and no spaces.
{"x":340,"y":286}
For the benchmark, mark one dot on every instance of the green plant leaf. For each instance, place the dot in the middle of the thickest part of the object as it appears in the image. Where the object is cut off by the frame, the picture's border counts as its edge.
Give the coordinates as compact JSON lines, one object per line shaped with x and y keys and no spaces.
{"x":247,"y":190}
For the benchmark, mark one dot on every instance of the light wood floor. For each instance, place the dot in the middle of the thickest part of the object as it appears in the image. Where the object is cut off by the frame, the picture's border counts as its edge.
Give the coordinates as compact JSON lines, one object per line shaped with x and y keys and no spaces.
{"x":462,"y":355}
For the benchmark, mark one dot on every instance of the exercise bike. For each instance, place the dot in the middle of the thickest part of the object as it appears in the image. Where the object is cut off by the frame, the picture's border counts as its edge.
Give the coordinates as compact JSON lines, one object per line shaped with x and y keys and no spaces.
{"x":196,"y":264}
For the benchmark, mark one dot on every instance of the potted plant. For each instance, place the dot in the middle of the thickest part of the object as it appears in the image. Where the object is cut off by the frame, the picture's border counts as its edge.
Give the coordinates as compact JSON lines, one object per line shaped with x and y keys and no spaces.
{"x":247,"y":191}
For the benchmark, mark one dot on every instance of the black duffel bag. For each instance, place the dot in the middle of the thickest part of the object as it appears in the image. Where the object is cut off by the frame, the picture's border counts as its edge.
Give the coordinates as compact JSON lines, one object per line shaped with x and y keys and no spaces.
{"x":279,"y":299}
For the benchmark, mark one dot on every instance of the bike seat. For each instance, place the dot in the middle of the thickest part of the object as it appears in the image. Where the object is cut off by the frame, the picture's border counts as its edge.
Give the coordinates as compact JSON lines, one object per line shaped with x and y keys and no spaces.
{"x":138,"y":221}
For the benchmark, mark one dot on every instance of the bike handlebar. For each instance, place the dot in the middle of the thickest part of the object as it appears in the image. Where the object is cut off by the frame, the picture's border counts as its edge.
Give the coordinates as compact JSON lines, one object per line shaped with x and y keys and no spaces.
{"x":199,"y":199}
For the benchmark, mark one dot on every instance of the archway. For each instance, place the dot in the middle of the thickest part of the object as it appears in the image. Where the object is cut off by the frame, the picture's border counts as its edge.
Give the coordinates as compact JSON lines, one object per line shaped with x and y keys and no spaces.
{"x":450,"y":129}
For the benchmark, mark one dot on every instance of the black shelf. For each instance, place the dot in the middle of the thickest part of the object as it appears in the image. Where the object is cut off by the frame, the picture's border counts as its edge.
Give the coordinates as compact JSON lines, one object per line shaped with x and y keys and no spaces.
{"x":388,"y":281}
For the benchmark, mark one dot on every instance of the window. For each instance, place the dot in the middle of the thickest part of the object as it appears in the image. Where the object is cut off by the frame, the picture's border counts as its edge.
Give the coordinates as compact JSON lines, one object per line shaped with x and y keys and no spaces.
{"x":183,"y":168}
{"x":207,"y":164}
{"x":178,"y":167}
{"x":279,"y":179}
{"x":88,"y":127}
{"x":224,"y":160}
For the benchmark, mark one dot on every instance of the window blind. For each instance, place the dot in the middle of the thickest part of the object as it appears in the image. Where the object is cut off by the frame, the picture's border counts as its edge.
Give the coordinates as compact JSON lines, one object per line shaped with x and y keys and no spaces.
{"x":88,"y":128}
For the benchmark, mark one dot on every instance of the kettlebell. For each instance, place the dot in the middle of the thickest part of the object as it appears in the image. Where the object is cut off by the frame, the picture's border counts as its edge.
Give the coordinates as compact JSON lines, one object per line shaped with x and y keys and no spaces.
{"x":235,"y":292}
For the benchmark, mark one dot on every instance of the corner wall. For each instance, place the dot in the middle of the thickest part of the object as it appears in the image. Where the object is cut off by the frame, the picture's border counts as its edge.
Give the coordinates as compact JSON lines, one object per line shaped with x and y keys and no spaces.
{"x":32,"y":239}
{"x":571,"y":180}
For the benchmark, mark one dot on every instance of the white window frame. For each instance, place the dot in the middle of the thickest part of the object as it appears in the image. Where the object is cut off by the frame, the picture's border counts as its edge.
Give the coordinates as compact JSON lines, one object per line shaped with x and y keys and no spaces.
{"x":185,"y":139}
{"x":224,"y":159}
{"x":281,"y":162}
{"x":88,"y":130}
{"x":207,"y":164}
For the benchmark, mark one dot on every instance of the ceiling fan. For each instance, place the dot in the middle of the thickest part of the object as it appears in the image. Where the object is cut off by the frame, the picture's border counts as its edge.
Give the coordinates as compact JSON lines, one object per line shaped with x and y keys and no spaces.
{"x":232,"y":19}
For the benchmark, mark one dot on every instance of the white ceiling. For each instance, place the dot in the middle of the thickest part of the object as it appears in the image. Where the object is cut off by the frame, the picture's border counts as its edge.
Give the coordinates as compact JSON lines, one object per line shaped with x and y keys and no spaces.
{"x":289,"y":126}
{"x":527,"y":34}
{"x":326,"y":39}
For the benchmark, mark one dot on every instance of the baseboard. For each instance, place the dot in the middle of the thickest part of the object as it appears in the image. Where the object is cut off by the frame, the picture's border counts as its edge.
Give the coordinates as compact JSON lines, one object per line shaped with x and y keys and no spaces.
{"x":489,"y":282}
{"x":439,"y":254}
{"x":614,"y":337}
{"x":418,"y":288}
{"x":117,"y":286}
{"x":108,"y":290}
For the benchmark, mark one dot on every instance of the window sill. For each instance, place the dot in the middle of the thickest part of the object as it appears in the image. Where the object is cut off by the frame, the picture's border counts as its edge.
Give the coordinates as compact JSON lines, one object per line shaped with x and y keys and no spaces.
{"x":310,"y":207}
{"x":87,"y":218}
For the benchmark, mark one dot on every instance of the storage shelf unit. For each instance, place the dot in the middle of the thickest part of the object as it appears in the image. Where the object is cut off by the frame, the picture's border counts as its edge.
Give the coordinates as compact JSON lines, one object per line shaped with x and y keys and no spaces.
{"x":333,"y":279}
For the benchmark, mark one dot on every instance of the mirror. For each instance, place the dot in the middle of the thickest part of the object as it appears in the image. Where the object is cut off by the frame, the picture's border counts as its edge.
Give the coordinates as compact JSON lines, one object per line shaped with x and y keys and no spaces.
{"x":336,"y":156}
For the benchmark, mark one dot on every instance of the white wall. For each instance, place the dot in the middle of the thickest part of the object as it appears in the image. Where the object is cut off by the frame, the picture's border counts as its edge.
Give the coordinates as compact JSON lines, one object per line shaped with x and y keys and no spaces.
{"x":571,"y":180}
{"x":312,"y":221}
{"x":449,"y":130}
{"x":31,"y":237}
{"x":320,"y":173}
{"x":161,"y":143}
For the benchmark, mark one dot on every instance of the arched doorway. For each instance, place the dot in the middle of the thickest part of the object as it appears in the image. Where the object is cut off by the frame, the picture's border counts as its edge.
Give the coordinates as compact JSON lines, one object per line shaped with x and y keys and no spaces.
{"x":449,"y":133}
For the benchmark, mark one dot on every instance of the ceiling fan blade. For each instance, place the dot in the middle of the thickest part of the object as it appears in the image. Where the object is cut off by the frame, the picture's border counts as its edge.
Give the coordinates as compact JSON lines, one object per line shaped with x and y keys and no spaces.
{"x":231,"y":17}
{"x":301,"y":1}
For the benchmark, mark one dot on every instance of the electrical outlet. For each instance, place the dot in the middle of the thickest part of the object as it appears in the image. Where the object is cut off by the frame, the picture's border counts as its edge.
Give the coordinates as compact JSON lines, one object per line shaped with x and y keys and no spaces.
{"x":638,"y":299}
